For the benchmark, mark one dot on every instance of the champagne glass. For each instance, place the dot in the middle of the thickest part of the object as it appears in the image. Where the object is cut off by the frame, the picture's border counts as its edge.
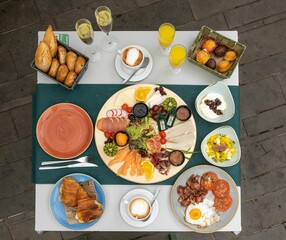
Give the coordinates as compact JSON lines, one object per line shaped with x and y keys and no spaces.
{"x":177,"y":57}
{"x":104,"y":21}
{"x":165,"y":37}
{"x":85,"y":32}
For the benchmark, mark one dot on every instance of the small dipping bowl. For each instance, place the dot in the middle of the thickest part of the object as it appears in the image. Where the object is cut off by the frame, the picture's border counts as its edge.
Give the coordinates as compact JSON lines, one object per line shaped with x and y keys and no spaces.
{"x":183,"y":113}
{"x":120,"y":134}
{"x":140,"y":110}
{"x":176,"y":158}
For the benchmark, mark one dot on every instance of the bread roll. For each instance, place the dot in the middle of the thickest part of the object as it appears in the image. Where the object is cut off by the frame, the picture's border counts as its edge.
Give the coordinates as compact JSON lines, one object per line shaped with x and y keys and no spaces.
{"x":54,"y":68}
{"x":79,"y":63}
{"x":70,"y":60}
{"x":62,"y":73}
{"x":51,"y":40}
{"x":62,"y":53}
{"x":70,"y":78}
{"x":43,"y":57}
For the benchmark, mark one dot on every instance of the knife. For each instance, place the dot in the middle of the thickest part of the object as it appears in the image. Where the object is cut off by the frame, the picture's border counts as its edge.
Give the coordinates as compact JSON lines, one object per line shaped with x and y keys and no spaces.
{"x":69,"y":166}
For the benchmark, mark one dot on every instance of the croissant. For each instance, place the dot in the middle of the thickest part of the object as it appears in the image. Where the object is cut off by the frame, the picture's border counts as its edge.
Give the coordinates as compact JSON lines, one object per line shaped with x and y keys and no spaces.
{"x":69,"y":189}
{"x":88,"y":208}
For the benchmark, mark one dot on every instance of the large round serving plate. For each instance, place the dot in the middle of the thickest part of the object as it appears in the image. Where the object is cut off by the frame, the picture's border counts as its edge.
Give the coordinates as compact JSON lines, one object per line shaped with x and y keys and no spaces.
{"x":58,"y":209}
{"x":100,"y":138}
{"x":226,"y":217}
{"x":64,"y":130}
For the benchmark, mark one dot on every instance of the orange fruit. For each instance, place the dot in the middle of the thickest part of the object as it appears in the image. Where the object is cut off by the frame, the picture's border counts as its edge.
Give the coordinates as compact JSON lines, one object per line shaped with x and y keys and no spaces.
{"x":141,"y":93}
{"x":148,"y":168}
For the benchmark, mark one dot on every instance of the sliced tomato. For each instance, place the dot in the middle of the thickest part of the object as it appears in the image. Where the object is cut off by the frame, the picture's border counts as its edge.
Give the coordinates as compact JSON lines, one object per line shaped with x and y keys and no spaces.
{"x":162,"y":134}
{"x":208,"y":180}
{"x":107,"y":134}
{"x":129,"y":109}
{"x":163,"y":140}
{"x":223,"y":204}
{"x":125,"y":106}
{"x":221,"y":189}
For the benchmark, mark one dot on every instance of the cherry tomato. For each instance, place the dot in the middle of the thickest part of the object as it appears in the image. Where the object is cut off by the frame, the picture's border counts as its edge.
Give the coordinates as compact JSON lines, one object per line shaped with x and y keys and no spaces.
{"x":107,"y":134}
{"x":125,"y":107}
{"x":162,"y":134}
{"x":163,"y":140}
{"x":112,"y":134}
{"x":129,"y":109}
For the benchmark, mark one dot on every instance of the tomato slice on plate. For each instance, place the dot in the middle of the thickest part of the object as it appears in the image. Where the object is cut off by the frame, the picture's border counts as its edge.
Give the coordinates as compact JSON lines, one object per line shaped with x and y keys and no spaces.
{"x":208,"y":180}
{"x":221,"y":189}
{"x":223,"y":204}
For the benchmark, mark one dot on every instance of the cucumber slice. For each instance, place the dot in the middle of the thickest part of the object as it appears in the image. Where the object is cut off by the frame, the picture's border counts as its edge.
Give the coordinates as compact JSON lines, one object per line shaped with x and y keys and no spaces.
{"x":110,"y":149}
{"x":169,"y":103}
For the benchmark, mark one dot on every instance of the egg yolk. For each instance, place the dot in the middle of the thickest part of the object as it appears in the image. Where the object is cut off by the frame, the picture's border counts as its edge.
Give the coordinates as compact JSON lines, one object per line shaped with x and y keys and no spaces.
{"x":195,"y":214}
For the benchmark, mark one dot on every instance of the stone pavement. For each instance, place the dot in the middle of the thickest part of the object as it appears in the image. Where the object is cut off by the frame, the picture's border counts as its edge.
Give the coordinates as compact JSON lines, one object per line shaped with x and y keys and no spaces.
{"x":262,"y":28}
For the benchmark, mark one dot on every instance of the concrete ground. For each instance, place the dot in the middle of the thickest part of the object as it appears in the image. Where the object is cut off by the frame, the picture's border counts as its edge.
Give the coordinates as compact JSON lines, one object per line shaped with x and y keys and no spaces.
{"x":262,"y":28}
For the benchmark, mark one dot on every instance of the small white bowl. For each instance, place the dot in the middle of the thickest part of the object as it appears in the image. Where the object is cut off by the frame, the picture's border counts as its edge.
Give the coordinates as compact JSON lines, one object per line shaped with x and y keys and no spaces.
{"x":230,"y":133}
{"x":222,"y":89}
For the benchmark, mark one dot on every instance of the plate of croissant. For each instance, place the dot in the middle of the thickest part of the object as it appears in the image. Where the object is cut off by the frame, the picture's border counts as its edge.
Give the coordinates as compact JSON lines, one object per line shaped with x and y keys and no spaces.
{"x":77,"y":201}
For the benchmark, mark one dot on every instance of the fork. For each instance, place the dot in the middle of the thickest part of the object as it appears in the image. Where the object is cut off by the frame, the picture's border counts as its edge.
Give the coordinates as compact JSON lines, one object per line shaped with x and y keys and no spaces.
{"x":85,"y":159}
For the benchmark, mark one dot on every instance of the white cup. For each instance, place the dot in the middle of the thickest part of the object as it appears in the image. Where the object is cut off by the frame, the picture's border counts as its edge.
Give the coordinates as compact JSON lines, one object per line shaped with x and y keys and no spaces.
{"x":130,"y":62}
{"x":139,"y":208}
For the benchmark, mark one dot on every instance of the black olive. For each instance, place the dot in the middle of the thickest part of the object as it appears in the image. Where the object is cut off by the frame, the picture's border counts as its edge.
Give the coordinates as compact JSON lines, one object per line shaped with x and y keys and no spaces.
{"x":220,"y":51}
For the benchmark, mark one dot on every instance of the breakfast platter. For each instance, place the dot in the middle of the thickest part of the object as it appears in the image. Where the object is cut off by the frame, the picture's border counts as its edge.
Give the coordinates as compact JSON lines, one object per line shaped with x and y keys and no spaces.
{"x":180,"y":136}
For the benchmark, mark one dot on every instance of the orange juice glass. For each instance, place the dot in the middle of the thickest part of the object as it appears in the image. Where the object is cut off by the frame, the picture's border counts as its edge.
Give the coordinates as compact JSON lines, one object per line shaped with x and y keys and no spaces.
{"x":177,"y":57}
{"x":165,"y":37}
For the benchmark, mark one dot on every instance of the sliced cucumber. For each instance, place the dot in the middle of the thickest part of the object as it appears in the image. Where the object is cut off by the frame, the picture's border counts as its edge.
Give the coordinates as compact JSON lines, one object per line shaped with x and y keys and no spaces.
{"x":110,"y":149}
{"x":169,"y":103}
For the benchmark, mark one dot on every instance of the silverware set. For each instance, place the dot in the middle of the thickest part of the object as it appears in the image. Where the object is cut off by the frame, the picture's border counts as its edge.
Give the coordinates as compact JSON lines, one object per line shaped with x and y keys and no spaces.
{"x":86,"y":161}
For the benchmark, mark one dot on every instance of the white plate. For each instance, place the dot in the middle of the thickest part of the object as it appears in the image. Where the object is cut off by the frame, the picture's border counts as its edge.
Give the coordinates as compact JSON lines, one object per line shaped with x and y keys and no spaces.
{"x":230,"y":132}
{"x":226,"y":217}
{"x":124,"y":208}
{"x":142,"y":73}
{"x":222,"y":89}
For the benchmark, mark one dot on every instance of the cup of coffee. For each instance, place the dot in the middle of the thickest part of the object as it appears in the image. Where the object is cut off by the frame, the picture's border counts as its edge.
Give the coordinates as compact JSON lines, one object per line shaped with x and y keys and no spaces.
{"x":139,"y":208}
{"x":131,"y":58}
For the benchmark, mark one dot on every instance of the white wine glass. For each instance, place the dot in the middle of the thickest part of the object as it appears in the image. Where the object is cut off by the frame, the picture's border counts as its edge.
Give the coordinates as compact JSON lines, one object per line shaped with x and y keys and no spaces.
{"x":85,"y":32}
{"x":104,"y":21}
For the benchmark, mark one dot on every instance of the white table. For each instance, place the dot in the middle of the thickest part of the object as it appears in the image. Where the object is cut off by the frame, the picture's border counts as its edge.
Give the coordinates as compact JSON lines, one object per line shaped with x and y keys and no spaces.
{"x":104,"y":72}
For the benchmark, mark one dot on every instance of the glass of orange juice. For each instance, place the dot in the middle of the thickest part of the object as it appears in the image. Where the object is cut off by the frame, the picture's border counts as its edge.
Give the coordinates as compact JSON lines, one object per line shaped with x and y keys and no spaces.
{"x":165,"y":37}
{"x":177,"y":57}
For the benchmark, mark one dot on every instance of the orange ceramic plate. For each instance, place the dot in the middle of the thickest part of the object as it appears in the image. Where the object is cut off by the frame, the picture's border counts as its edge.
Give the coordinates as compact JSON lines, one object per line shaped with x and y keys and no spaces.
{"x":64,"y":131}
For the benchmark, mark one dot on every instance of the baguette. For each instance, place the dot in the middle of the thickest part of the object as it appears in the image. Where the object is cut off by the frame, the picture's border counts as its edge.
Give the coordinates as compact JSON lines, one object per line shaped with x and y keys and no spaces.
{"x":43,"y":57}
{"x":51,"y":40}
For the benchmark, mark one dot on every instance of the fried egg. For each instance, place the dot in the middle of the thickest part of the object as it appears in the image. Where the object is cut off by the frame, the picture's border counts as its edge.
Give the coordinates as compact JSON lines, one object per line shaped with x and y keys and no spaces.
{"x":202,"y":214}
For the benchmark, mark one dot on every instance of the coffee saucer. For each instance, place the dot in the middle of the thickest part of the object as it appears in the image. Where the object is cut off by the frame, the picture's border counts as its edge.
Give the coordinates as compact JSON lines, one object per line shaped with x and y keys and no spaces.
{"x":124,"y":207}
{"x":142,"y":73}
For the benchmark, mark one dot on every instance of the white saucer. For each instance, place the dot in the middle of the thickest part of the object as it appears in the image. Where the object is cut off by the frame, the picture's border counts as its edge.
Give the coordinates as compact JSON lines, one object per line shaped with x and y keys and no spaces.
{"x":124,"y":211}
{"x":142,"y":73}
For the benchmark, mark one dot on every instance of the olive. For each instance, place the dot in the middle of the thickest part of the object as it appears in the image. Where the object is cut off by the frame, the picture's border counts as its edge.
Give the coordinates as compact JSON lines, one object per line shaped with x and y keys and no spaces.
{"x":220,"y":51}
{"x":211,"y":63}
{"x":155,"y":108}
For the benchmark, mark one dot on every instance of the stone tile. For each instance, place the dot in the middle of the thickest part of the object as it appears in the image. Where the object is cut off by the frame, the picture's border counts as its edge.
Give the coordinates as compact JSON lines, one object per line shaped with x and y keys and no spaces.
{"x":276,"y":232}
{"x":15,"y":103}
{"x":143,"y":3}
{"x":23,"y":56}
{"x":124,"y":236}
{"x":273,"y":203}
{"x":20,"y":37}
{"x":17,"y":177}
{"x":243,"y":134}
{"x":243,"y":15}
{"x":66,"y":235}
{"x":22,"y":116}
{"x":259,"y":45}
{"x":249,"y":26}
{"x":282,"y":80}
{"x":206,"y":8}
{"x":16,"y":14}
{"x":7,"y":73}
{"x":224,"y":236}
{"x":154,"y":15}
{"x":19,"y":217}
{"x":193,"y":235}
{"x":15,"y":150}
{"x":18,"y":89}
{"x":274,"y":18}
{"x":7,"y":130}
{"x":263,"y":68}
{"x":265,"y":121}
{"x":258,"y":186}
{"x":26,"y":230}
{"x":22,"y":202}
{"x":5,"y":234}
{"x":215,"y":22}
{"x":260,"y":96}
